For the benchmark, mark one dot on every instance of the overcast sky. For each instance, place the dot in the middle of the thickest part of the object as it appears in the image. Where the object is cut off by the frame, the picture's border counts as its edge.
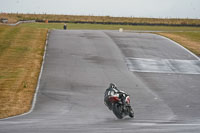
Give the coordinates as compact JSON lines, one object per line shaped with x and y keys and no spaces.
{"x":121,"y":8}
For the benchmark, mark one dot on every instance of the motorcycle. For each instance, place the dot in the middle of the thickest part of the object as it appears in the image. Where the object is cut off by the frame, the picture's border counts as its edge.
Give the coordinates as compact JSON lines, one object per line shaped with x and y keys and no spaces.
{"x":120,"y":108}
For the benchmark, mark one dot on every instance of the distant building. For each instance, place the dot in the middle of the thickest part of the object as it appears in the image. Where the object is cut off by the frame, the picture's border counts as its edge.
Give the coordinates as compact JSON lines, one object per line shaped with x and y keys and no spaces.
{"x":3,"y":20}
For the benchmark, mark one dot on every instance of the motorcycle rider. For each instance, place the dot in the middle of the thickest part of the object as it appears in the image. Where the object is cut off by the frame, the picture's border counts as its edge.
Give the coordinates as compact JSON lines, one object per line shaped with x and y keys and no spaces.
{"x":65,"y":27}
{"x":111,"y":91}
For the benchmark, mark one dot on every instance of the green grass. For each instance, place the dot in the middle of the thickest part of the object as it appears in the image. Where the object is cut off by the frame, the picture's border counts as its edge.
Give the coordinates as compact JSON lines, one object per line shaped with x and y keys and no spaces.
{"x":43,"y":25}
{"x":6,"y":38}
{"x":72,"y":26}
{"x":194,"y":36}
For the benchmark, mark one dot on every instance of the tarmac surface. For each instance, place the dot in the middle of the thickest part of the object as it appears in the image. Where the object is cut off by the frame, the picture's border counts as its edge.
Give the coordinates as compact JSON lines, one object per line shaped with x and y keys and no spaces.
{"x":161,"y":77}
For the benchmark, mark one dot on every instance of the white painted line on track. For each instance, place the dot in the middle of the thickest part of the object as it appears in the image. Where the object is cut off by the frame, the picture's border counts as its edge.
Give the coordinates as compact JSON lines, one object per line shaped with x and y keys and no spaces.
{"x":164,"y":124}
{"x":163,"y":65}
{"x":41,"y":70}
{"x":38,"y":84}
{"x":18,"y":122}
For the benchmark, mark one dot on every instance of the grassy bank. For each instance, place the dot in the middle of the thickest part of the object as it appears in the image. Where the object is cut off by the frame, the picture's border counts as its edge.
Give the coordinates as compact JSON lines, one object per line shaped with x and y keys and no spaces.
{"x":21,"y":51}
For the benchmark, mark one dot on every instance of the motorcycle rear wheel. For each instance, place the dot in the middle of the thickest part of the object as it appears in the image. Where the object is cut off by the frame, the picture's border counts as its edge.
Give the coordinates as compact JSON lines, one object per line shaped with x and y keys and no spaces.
{"x":131,"y":113}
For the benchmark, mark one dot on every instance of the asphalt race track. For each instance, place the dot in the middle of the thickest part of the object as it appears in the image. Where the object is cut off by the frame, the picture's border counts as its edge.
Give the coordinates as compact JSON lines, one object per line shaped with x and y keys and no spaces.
{"x":162,"y":78}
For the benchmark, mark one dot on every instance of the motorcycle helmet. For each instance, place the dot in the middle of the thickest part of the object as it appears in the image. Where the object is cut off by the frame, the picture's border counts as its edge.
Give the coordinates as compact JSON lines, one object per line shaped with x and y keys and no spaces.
{"x":112,"y":85}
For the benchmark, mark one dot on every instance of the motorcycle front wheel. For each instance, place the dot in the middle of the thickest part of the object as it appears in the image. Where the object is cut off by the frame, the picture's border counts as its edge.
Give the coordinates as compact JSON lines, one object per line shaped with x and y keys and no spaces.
{"x":117,"y":110}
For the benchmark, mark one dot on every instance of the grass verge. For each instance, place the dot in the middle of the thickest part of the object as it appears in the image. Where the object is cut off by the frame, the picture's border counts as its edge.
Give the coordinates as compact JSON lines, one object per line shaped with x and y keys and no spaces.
{"x":21,"y":52}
